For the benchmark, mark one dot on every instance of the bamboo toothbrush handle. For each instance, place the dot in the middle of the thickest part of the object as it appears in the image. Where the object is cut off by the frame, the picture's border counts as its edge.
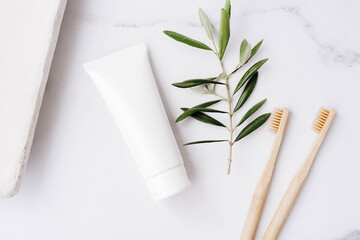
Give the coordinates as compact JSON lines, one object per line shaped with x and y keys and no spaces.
{"x":285,"y":205}
{"x":294,"y":188}
{"x":263,"y":184}
{"x":259,"y":196}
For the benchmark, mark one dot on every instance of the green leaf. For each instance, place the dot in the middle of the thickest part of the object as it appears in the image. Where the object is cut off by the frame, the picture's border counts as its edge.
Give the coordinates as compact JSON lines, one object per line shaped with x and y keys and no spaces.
{"x":221,"y":76}
{"x":224,"y":32}
{"x":253,"y":51}
{"x":251,"y":111}
{"x":192,"y":110}
{"x":204,"y":141}
{"x":256,"y":48}
{"x":248,"y":74}
{"x":253,"y":126}
{"x":245,"y":51}
{"x":201,"y":90}
{"x":189,"y":41}
{"x":237,"y":68}
{"x":205,"y":22}
{"x":195,"y":82}
{"x":247,"y":92}
{"x":208,"y":110}
{"x":228,"y":7}
{"x":202,"y":117}
{"x":207,"y":104}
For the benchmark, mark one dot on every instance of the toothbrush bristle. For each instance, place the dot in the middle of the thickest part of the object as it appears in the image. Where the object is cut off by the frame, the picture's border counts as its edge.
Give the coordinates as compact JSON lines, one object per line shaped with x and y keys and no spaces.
{"x":275,"y":120}
{"x":321,"y":120}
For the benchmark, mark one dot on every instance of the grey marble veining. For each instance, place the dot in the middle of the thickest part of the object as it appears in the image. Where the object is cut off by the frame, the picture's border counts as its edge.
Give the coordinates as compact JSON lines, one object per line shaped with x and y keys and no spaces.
{"x":355,"y":235}
{"x":327,"y":52}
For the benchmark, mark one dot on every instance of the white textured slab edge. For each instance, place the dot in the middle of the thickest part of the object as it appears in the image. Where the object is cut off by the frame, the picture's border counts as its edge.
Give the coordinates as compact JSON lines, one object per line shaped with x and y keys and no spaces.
{"x":29,"y":31}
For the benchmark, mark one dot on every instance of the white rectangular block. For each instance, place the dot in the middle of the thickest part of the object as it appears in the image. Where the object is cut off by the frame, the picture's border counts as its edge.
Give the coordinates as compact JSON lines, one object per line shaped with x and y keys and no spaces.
{"x":28,"y":34}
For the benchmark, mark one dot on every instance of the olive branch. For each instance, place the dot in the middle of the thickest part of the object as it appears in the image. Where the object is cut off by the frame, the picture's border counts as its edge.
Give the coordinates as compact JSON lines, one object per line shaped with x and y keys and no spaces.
{"x":208,"y":85}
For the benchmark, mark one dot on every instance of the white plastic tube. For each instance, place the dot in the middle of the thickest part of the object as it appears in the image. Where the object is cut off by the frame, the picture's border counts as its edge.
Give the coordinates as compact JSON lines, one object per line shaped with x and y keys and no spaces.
{"x":125,"y":81}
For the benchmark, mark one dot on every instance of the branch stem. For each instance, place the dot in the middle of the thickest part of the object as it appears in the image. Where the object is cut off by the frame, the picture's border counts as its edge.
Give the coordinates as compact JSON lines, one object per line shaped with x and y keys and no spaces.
{"x":231,"y":113}
{"x":229,"y":101}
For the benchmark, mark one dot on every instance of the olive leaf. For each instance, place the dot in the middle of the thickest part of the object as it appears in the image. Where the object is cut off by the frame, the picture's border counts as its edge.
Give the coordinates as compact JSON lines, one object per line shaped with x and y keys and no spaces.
{"x":253,"y":126}
{"x":247,"y":92}
{"x":249,"y":73}
{"x":195,"y":82}
{"x":224,"y":32}
{"x":245,"y":51}
{"x":202,"y":117}
{"x":221,"y":76}
{"x":189,"y":41}
{"x":205,"y":22}
{"x":255,"y":49}
{"x":204,"y":141}
{"x":207,"y":110}
{"x":228,"y":7}
{"x":201,"y":90}
{"x":251,"y":111}
{"x":192,"y":110}
{"x":237,"y":68}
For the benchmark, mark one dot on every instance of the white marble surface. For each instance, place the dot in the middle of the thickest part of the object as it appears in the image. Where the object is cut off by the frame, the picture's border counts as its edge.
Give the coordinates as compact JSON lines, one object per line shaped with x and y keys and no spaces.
{"x":81,"y":182}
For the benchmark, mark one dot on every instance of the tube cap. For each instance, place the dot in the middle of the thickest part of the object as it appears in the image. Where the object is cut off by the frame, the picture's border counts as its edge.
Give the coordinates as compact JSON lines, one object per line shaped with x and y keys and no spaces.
{"x":168,"y":183}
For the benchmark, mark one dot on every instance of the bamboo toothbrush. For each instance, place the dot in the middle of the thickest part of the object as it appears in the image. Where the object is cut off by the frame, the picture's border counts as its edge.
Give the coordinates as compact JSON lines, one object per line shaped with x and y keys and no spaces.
{"x":321,"y":126}
{"x":277,"y":126}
